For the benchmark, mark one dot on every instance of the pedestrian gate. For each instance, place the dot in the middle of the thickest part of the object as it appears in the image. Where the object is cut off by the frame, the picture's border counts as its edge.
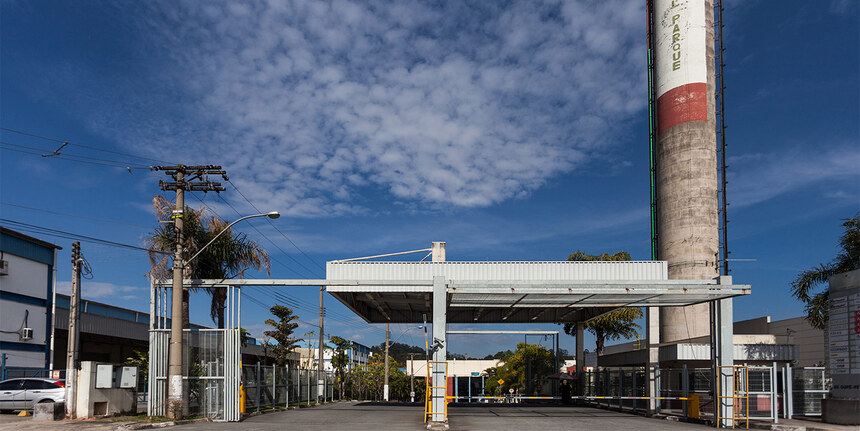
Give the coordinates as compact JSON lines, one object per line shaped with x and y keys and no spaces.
{"x":211,"y":358}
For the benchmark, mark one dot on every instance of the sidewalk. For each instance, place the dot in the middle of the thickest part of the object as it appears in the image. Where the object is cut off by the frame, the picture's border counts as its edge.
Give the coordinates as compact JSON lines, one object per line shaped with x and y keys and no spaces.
{"x":12,"y":422}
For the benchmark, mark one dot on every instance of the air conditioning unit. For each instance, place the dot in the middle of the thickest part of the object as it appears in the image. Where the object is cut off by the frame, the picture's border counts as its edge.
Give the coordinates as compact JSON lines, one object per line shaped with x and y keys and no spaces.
{"x":4,"y":267}
{"x":26,"y":334}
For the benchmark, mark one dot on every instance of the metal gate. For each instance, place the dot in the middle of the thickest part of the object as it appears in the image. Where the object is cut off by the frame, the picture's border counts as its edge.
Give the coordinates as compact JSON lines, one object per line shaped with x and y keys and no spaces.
{"x":211,"y":357}
{"x":762,"y":396}
{"x":808,"y":388}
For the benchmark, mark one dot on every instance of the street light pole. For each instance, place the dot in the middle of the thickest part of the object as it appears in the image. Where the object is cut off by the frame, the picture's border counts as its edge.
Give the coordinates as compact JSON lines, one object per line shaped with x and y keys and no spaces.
{"x":412,"y":377}
{"x":176,"y":407}
{"x":385,"y":388}
{"x":193,"y":178}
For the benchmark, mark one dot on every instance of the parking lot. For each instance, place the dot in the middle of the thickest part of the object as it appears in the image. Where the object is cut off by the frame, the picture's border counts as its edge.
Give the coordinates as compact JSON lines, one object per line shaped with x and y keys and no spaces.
{"x":374,"y":416}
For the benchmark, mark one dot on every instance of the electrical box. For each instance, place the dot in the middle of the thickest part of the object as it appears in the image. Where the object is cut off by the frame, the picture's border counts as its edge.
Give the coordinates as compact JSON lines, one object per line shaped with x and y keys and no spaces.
{"x":26,"y":334}
{"x":104,"y":376}
{"x":127,"y":377}
{"x":4,"y":267}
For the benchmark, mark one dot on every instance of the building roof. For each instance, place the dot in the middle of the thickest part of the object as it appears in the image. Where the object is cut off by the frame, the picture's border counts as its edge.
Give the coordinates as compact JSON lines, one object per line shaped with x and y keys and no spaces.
{"x":28,"y":238}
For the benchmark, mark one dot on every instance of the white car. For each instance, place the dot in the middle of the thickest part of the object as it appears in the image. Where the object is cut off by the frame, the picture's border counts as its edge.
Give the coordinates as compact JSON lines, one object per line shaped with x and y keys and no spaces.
{"x":23,"y":394}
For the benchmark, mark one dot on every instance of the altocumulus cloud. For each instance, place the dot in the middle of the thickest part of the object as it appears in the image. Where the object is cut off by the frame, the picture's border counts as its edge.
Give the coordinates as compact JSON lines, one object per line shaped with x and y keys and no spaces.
{"x":313,"y":105}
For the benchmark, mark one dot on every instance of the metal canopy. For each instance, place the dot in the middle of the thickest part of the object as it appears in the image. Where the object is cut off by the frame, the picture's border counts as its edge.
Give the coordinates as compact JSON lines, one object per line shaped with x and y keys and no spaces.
{"x":516,"y":292}
{"x":503,"y":292}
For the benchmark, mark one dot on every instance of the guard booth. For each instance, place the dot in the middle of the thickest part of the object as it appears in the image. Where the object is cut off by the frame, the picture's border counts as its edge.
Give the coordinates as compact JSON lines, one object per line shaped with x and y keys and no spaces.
{"x":464,"y":292}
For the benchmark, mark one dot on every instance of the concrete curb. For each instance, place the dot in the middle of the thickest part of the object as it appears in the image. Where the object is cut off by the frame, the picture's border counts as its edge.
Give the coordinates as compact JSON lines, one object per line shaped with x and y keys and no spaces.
{"x":145,"y":425}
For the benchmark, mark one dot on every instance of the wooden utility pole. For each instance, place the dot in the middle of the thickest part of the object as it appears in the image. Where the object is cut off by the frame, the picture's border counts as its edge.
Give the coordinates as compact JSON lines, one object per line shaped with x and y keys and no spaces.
{"x":385,"y":388}
{"x":320,"y":364}
{"x":72,"y":363}
{"x":177,"y":405}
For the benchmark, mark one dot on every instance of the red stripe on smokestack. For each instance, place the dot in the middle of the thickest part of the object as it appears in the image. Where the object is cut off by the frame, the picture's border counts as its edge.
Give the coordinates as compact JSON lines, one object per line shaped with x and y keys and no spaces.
{"x":688,"y":102}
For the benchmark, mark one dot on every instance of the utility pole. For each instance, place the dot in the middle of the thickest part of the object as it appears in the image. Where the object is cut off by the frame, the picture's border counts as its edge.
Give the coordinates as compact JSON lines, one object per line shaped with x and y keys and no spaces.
{"x":320,"y":367}
{"x":183,"y":177}
{"x":385,"y":388}
{"x":72,"y":363}
{"x":412,"y":377}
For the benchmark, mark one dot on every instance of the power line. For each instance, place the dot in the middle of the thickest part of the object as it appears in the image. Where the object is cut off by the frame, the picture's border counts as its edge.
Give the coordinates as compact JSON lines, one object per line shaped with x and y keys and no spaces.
{"x":73,"y":215}
{"x":310,"y":271}
{"x":69,"y":158}
{"x":83,"y":146}
{"x":69,"y":235}
{"x":55,"y":153}
{"x":258,"y":231}
{"x":276,"y":228}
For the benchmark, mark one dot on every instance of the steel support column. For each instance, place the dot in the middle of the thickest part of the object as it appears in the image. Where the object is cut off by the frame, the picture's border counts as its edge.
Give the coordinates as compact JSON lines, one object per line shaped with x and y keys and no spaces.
{"x":722,"y":337}
{"x":652,"y":343}
{"x":580,"y":359}
{"x":440,"y":348}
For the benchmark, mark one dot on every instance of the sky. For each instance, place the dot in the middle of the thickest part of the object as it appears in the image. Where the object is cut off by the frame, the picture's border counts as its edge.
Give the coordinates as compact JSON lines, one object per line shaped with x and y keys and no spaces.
{"x":511,"y":130}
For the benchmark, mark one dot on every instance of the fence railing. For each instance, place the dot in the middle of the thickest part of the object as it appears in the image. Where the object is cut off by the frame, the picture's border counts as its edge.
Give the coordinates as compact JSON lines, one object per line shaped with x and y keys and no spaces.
{"x":271,"y":386}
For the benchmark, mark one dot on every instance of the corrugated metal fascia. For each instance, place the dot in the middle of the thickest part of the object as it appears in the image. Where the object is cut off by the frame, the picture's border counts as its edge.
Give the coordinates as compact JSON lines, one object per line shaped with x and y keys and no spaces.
{"x":484,"y":271}
{"x":100,"y":325}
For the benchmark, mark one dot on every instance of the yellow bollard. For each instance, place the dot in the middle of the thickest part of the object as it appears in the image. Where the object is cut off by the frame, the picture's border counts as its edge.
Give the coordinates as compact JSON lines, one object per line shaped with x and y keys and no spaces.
{"x":242,"y":398}
{"x":693,"y":406}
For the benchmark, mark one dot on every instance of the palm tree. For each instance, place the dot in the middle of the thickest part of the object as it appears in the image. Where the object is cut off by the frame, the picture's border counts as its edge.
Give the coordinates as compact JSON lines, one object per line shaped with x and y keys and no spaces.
{"x":228,"y":257}
{"x":618,"y":323}
{"x":805,"y":284}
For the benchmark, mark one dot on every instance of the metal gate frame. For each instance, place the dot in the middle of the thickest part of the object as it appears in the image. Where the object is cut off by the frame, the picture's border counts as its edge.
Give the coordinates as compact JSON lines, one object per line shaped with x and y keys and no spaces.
{"x":221,"y":390}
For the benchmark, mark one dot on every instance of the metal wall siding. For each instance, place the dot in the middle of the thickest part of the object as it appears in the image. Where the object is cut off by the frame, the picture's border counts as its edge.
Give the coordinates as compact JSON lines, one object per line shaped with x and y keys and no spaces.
{"x":486,"y":271}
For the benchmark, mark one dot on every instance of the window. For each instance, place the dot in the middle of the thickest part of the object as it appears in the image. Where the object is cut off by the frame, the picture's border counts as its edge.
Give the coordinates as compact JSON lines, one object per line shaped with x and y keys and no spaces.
{"x":38,"y":384}
{"x":10,"y":385}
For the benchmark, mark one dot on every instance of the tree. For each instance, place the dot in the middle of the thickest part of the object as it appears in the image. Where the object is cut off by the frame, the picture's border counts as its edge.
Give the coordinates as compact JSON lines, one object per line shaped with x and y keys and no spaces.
{"x":804,"y":286}
{"x":617,"y":324}
{"x":228,"y":257}
{"x":282,"y":333}
{"x":529,"y":363}
{"x":140,"y":359}
{"x":340,"y":360}
{"x":398,"y":351}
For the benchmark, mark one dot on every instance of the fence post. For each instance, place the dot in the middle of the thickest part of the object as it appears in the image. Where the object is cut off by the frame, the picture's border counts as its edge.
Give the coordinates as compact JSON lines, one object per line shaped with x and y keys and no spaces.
{"x":773,"y":405}
{"x":635,"y":394}
{"x":274,"y":386}
{"x":788,"y":400}
{"x":287,"y":387}
{"x":685,"y":389}
{"x":621,"y":389}
{"x":257,"y":384}
{"x":309,"y":387}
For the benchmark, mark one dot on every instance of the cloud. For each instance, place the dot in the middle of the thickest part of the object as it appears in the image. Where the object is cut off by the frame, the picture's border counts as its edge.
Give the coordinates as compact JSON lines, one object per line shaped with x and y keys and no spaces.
{"x":757,"y":177}
{"x":321,"y":108}
{"x":100,"y":290}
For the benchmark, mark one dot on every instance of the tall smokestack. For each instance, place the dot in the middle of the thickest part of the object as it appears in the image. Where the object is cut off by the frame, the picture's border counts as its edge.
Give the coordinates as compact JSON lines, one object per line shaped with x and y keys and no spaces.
{"x":686,"y":154}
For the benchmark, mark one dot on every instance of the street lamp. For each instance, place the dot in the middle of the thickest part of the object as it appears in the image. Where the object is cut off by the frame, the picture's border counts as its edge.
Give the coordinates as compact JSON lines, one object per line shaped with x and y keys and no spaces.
{"x":271,"y":214}
{"x":385,"y":386}
{"x":177,"y":406}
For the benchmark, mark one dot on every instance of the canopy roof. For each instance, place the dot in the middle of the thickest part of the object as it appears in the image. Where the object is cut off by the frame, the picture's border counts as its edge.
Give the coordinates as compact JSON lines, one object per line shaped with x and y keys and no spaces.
{"x":502,"y":292}
{"x":515,"y":292}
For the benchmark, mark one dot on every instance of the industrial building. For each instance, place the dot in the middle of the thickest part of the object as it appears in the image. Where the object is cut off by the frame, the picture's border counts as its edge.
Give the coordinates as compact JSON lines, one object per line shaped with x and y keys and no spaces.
{"x":357,"y":355}
{"x":27,"y":283}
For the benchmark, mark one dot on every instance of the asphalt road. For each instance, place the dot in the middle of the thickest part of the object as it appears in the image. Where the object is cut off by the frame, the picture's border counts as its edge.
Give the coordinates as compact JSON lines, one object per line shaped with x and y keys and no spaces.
{"x":368,"y":416}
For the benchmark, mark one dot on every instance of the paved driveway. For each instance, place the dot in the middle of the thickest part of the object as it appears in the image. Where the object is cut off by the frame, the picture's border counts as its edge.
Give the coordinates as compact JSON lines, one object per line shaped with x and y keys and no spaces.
{"x":368,"y":416}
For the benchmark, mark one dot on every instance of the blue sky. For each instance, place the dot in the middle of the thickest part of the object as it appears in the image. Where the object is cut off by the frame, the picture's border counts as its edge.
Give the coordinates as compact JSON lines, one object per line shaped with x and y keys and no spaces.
{"x":510,"y":130}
